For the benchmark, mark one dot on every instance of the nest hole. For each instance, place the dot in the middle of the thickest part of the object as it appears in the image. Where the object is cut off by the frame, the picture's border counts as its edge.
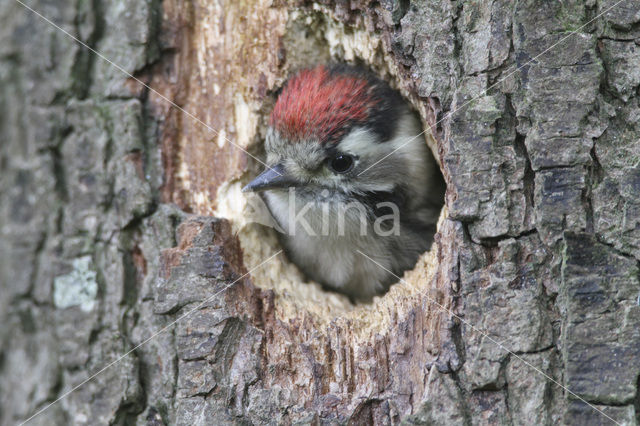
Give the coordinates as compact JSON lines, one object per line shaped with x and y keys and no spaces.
{"x":312,"y":38}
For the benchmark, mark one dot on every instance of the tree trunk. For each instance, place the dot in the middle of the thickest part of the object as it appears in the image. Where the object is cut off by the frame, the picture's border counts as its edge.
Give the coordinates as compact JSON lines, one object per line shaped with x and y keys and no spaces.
{"x":126,"y":244}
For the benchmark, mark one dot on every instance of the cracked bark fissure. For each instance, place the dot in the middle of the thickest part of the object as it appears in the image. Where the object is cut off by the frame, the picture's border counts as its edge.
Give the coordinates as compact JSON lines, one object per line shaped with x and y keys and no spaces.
{"x":107,"y":235}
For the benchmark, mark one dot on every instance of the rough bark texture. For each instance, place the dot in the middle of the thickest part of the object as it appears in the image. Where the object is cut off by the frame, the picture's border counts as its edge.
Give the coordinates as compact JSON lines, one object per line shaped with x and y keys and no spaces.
{"x":107,"y":235}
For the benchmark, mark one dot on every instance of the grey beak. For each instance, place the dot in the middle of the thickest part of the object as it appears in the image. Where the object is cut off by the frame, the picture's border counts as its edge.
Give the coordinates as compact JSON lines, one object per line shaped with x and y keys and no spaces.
{"x":274,"y":177}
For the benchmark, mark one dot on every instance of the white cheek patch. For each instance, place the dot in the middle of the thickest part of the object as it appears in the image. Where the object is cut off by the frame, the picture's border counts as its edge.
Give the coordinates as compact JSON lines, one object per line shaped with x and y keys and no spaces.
{"x":361,"y":142}
{"x":403,"y":155}
{"x":406,"y":141}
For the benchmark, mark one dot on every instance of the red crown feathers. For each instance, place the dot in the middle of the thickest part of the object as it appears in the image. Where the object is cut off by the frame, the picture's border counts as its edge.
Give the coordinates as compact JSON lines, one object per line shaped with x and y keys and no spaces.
{"x":321,"y":103}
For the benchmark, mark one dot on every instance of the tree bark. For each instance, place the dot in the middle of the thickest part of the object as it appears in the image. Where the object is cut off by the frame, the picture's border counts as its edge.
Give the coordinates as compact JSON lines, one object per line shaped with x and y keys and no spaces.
{"x":125,"y":242}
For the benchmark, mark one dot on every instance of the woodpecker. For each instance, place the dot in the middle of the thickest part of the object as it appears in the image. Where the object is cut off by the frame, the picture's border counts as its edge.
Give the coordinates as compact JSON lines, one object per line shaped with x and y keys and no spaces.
{"x":348,"y":173}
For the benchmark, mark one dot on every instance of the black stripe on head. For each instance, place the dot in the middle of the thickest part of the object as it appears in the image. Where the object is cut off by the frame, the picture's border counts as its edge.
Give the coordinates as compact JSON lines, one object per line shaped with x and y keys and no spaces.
{"x":372,"y":199}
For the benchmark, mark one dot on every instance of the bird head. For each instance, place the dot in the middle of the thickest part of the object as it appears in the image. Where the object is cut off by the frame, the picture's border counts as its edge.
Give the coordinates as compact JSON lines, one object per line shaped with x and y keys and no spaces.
{"x":340,"y":130}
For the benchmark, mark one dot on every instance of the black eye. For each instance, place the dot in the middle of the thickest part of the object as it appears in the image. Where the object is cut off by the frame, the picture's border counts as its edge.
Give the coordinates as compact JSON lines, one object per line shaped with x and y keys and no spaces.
{"x":341,"y":163}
